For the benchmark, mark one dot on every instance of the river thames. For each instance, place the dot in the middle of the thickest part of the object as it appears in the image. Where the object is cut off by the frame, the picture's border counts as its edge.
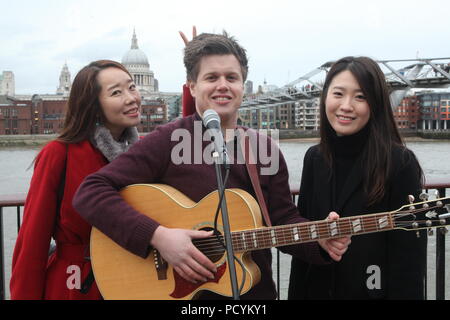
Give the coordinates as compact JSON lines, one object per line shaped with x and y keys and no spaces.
{"x":434,"y":157}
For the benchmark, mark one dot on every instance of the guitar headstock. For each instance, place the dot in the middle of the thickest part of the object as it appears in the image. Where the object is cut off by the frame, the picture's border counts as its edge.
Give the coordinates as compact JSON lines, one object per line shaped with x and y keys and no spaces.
{"x":426,"y":214}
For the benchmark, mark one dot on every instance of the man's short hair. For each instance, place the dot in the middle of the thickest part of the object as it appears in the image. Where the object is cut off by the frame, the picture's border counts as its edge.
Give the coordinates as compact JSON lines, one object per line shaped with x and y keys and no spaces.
{"x":207,"y":44}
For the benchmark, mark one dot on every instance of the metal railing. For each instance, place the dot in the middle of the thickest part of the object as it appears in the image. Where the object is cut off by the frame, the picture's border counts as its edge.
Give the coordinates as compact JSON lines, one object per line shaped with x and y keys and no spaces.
{"x":439,"y":184}
{"x":14,"y":200}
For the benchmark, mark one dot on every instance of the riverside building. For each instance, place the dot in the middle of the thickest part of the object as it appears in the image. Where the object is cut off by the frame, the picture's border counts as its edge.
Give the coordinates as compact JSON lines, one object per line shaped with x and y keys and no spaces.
{"x":44,"y":113}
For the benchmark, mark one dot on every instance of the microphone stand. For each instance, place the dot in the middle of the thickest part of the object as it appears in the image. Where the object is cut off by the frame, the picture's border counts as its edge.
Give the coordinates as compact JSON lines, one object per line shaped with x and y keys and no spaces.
{"x":225,"y":220}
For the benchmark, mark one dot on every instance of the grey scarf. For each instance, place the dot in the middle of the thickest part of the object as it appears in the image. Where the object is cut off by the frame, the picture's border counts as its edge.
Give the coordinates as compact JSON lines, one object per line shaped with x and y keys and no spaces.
{"x":111,"y":149}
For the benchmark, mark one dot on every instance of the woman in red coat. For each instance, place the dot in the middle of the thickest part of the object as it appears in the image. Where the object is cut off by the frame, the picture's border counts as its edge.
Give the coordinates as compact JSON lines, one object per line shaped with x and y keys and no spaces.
{"x":103,"y":110}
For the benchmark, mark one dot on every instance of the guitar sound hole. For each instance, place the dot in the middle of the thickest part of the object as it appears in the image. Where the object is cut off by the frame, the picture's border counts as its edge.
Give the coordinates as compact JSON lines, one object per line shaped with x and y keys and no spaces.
{"x":211,"y":247}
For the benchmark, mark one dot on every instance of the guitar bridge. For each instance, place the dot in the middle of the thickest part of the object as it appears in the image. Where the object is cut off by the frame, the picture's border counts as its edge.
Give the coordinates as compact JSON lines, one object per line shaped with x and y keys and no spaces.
{"x":160,"y":265}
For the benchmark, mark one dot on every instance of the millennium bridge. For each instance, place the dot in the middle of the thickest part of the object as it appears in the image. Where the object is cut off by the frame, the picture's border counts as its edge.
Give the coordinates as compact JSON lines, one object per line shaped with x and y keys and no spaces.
{"x":414,"y":73}
{"x":300,"y":97}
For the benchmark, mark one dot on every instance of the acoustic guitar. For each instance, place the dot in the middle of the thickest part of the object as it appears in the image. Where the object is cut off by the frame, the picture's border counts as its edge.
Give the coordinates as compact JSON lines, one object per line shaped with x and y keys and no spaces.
{"x":122,"y":275}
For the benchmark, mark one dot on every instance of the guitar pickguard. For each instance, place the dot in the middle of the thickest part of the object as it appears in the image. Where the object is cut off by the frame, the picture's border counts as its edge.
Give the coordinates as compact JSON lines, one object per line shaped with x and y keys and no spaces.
{"x":183,"y":288}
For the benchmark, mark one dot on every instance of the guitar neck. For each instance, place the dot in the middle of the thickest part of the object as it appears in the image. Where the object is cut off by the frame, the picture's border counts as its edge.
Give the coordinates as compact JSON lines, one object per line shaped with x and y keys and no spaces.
{"x":264,"y":238}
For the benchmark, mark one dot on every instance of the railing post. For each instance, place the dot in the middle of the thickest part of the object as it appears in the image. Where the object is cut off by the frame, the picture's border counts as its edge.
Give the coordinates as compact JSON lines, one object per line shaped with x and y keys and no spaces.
{"x":2,"y":257}
{"x":440,"y":258}
{"x":440,"y":264}
{"x":278,"y":275}
{"x":18,"y":219}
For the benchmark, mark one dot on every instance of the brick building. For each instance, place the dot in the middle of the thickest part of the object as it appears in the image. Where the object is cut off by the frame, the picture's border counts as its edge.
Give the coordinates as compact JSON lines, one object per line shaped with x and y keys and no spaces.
{"x":154,"y":113}
{"x":45,"y":114}
{"x":15,"y":116}
{"x":407,"y":114}
{"x":434,"y":110}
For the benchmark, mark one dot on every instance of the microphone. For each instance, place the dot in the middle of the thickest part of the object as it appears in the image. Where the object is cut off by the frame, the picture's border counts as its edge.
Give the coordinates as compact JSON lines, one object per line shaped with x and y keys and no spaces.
{"x":211,"y":121}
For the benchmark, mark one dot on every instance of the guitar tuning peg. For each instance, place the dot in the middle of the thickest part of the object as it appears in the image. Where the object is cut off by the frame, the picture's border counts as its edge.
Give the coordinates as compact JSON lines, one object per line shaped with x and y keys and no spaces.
{"x":425,"y":205}
{"x":411,"y":201}
{"x":447,"y":207}
{"x":424,"y":196}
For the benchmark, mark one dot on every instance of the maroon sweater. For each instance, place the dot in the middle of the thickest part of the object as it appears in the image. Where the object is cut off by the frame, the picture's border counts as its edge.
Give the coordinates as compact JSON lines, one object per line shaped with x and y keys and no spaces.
{"x":149,"y":161}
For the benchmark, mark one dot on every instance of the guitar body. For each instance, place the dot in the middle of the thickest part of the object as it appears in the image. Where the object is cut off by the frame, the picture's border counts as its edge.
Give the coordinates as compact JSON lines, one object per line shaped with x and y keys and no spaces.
{"x":122,"y":275}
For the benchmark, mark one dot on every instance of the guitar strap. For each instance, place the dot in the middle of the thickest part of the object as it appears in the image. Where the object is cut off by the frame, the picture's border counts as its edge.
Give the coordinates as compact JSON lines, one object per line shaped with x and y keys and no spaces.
{"x":252,"y":170}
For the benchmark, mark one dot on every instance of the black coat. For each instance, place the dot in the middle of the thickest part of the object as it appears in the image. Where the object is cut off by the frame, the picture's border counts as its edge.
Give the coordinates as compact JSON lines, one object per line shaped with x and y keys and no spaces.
{"x":384,"y":265}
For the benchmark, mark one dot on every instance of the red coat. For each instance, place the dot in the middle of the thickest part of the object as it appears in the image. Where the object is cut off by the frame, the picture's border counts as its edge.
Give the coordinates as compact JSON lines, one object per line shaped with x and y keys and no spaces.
{"x":34,"y":274}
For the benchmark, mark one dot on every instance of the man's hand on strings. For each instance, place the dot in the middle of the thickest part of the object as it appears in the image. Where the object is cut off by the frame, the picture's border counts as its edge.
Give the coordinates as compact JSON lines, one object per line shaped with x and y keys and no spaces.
{"x":176,"y":247}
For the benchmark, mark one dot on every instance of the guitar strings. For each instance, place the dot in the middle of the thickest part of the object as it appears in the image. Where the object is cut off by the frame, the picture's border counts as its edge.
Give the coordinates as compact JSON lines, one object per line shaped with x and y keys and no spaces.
{"x":369,"y":226}
{"x":264,"y":237}
{"x":265,"y":240}
{"x":261,"y":236}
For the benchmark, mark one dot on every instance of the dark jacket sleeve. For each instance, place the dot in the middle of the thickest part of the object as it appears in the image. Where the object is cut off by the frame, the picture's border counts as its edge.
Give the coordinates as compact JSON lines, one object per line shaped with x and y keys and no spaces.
{"x":306,"y":185}
{"x":406,"y":252}
{"x":98,"y":200}
{"x":283,"y":211}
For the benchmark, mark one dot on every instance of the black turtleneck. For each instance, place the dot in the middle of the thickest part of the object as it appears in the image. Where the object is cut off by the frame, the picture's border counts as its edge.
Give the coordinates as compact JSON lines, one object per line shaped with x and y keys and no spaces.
{"x":346,"y":152}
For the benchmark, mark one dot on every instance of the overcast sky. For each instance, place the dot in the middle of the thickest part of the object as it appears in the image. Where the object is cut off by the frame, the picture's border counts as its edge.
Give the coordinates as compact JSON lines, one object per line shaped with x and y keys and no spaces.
{"x":285,"y":39}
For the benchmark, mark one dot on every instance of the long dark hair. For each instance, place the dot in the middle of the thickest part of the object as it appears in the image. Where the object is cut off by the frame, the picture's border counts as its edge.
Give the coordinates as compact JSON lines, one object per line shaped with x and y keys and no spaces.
{"x":383,"y":134}
{"x":83,"y":107}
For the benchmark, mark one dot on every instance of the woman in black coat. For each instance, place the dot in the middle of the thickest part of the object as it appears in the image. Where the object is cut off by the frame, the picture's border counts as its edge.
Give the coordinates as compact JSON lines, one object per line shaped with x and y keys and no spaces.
{"x":360,"y":166}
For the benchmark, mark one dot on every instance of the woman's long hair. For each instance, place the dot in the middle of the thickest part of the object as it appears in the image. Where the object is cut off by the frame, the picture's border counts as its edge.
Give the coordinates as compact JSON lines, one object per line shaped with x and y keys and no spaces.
{"x":83,"y":107}
{"x":382,"y":130}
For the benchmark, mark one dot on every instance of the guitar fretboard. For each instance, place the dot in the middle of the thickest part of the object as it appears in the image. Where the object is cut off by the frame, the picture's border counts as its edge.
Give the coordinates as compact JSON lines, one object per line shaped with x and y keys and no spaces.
{"x":264,"y":238}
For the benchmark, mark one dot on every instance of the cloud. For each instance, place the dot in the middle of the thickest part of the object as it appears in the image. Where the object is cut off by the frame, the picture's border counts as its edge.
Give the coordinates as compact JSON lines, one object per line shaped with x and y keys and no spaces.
{"x":284,"y":39}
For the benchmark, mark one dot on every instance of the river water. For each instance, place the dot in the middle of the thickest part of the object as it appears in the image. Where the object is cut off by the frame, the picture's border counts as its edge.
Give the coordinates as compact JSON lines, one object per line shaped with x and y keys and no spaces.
{"x":434,"y":157}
